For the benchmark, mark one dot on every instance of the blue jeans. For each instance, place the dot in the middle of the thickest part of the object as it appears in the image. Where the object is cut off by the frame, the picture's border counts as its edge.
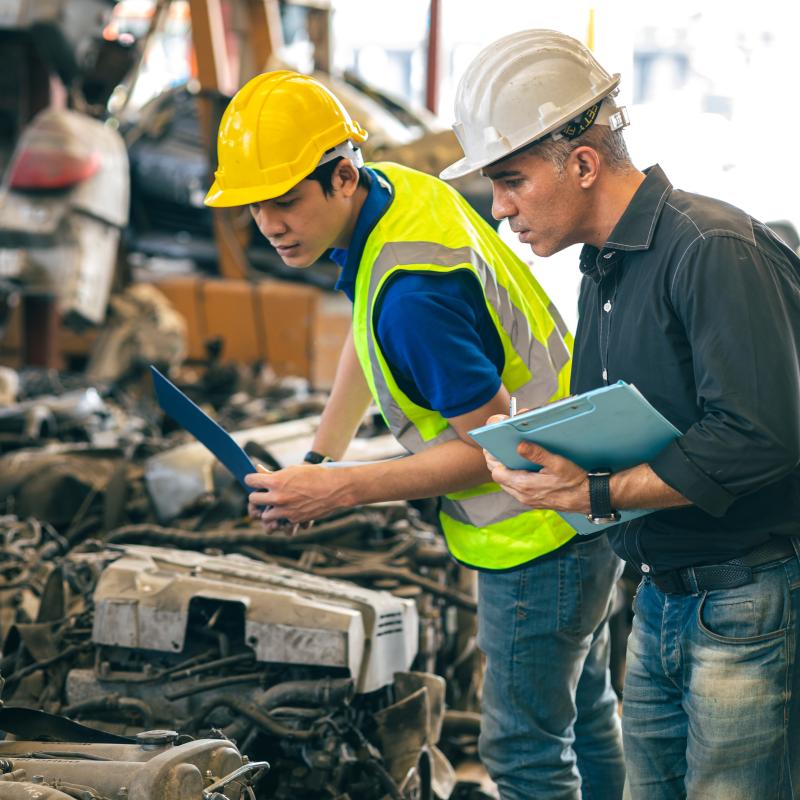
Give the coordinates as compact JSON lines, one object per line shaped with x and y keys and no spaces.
{"x":549,"y":725}
{"x":711,"y":706}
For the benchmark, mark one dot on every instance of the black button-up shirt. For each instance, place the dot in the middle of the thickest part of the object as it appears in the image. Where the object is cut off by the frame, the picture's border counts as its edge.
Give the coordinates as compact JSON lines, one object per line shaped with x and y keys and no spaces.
{"x":698,"y":305}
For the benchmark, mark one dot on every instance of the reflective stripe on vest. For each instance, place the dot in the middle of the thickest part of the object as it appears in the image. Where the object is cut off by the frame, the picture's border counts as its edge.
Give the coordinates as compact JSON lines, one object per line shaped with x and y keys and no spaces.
{"x":484,"y":526}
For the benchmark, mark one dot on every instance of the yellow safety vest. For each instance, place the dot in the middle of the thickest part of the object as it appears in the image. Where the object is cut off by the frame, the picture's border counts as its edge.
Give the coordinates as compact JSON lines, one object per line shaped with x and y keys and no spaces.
{"x":429,"y":227}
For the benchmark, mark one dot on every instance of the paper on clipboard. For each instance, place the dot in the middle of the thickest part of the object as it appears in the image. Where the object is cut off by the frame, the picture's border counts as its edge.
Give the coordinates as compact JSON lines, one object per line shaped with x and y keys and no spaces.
{"x":613,"y":427}
{"x":209,"y":433}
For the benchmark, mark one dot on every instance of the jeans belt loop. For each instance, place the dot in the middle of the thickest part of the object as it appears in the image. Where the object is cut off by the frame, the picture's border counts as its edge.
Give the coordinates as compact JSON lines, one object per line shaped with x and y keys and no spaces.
{"x":691,"y":580}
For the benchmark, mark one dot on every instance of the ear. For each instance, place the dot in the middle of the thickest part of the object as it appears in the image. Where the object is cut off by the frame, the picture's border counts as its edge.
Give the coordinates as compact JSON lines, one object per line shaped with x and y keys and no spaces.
{"x":345,"y":178}
{"x":584,"y":165}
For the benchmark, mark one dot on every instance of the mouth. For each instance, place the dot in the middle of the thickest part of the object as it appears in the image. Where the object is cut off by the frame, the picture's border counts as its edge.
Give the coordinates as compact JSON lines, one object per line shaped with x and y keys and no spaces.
{"x":286,"y":249}
{"x":523,"y":235}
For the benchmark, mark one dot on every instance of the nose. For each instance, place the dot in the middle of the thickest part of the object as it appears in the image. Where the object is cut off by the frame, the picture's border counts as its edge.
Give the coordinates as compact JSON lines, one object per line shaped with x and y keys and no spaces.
{"x":268,"y":221}
{"x":502,"y":206}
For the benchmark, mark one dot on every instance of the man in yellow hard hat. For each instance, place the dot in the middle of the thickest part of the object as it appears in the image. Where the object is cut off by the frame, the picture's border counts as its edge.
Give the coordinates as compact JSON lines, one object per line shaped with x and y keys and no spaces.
{"x":446,"y":324}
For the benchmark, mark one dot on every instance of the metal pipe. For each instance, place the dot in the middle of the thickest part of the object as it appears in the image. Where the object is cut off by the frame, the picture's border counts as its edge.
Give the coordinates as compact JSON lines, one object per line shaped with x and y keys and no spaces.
{"x":206,"y":686}
{"x":239,"y":536}
{"x":212,"y":665}
{"x":245,"y":769}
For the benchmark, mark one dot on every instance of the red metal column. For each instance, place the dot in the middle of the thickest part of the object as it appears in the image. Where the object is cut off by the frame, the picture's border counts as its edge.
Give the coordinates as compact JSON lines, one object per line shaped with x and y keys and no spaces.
{"x":432,"y":76}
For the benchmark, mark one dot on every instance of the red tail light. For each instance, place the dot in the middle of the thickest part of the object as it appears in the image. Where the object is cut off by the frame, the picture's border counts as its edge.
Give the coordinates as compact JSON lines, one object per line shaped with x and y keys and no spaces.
{"x":35,"y":168}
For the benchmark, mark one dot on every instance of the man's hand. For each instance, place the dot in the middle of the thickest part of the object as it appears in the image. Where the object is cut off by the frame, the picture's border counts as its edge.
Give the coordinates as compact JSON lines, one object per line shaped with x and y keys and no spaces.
{"x":298,"y":494}
{"x":560,"y":484}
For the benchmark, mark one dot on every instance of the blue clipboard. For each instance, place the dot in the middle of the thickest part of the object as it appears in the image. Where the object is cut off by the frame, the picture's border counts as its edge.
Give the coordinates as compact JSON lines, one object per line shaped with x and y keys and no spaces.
{"x":209,"y":433}
{"x":613,"y":427}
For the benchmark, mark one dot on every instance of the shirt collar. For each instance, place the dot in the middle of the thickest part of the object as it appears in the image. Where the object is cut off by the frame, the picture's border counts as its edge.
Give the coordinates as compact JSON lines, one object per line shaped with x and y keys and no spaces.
{"x":635,"y":228}
{"x":379,"y":196}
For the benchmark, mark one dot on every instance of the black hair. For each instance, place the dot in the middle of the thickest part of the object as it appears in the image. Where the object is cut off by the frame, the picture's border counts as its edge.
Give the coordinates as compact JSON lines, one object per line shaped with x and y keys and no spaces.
{"x":323,"y":175}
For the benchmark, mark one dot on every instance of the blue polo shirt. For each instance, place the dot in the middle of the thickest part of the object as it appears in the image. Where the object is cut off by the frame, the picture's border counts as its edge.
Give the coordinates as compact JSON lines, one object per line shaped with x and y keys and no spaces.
{"x":433,"y":328}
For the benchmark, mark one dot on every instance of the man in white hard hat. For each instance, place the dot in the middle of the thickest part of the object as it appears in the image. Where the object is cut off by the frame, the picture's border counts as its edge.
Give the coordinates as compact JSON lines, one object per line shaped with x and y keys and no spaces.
{"x":698,"y":305}
{"x":446,"y":323}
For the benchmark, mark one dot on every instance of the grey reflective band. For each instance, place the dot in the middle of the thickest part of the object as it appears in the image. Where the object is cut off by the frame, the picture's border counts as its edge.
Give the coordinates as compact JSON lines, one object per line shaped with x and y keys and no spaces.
{"x":483,"y":510}
{"x":346,"y":150}
{"x":545,"y":362}
{"x":561,"y":326}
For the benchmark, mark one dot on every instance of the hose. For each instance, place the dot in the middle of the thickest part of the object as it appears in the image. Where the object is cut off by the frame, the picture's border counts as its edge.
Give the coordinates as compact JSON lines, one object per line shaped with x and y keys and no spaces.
{"x":112,"y":702}
{"x":327,"y":692}
{"x":260,"y":718}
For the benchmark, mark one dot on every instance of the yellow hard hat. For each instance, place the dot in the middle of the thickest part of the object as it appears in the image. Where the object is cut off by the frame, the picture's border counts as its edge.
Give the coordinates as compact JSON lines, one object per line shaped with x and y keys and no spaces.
{"x":275,"y":132}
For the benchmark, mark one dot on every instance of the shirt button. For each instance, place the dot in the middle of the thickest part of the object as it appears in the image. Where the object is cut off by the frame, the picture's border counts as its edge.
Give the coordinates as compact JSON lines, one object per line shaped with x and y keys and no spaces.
{"x":645,"y":568}
{"x":607,"y":306}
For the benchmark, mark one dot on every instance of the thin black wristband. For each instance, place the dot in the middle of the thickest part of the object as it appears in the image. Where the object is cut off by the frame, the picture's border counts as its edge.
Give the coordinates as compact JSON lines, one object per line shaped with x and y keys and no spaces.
{"x":313,"y":457}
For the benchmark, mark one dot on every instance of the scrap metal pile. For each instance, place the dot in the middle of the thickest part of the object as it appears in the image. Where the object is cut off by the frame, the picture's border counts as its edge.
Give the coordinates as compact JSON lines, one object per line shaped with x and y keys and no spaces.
{"x":170,"y":647}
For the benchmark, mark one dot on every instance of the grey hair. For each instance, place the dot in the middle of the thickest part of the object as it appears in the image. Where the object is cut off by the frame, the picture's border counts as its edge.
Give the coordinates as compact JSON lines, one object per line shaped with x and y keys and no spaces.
{"x":610,"y":144}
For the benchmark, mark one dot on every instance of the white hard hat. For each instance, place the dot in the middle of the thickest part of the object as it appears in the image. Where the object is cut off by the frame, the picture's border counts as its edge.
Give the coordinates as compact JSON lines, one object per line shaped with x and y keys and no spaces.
{"x":524,"y":87}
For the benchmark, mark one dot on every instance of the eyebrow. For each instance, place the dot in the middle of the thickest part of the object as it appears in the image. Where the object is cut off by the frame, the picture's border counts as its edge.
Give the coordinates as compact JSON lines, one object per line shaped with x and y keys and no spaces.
{"x":507,"y":173}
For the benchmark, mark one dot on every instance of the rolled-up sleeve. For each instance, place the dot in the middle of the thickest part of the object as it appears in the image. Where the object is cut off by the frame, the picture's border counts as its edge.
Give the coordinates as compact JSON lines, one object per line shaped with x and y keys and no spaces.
{"x":739,"y":304}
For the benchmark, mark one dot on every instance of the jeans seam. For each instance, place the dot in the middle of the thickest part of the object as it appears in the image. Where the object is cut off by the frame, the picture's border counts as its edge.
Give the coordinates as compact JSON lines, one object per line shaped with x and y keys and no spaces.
{"x":566,"y":590}
{"x":791,"y":658}
{"x":786,"y":673}
{"x":523,"y":579}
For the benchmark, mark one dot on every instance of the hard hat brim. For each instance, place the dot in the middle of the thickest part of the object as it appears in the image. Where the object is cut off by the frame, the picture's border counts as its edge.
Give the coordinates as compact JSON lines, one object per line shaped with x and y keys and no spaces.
{"x":461,"y":168}
{"x":218,"y":197}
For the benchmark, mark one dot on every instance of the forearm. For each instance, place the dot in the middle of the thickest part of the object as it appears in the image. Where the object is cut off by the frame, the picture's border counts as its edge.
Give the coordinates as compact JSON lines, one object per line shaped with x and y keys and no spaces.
{"x":561,"y":485}
{"x":640,"y":487}
{"x":449,"y":467}
{"x":350,"y":397}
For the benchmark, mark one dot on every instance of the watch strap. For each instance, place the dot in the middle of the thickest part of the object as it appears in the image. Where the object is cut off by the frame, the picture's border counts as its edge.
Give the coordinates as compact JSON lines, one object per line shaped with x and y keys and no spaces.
{"x":600,"y":497}
{"x":313,"y":457}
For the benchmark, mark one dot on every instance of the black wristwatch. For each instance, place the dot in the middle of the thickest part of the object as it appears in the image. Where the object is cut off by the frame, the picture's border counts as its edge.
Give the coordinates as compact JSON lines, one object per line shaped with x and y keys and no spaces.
{"x":313,"y":457}
{"x":601,"y":512}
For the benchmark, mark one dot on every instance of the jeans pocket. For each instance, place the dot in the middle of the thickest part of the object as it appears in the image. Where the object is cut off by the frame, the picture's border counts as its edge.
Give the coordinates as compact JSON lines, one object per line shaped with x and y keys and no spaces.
{"x":751,"y":613}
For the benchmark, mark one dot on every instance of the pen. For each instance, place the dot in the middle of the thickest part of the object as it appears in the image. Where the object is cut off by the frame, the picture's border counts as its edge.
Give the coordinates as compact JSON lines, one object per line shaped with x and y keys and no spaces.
{"x":512,"y":407}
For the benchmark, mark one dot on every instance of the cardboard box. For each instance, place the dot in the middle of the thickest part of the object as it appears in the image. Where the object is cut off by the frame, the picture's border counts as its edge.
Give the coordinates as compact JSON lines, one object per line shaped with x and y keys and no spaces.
{"x":297,"y":329}
{"x":185,"y":293}
{"x":230,"y":314}
{"x":287,"y":312}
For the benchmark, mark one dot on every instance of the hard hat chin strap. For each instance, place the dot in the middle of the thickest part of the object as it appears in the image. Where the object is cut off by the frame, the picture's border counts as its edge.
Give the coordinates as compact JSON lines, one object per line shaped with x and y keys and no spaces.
{"x":345,"y":150}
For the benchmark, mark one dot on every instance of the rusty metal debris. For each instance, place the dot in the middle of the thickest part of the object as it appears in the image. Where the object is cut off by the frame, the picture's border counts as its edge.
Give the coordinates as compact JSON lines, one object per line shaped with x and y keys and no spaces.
{"x":343,"y":655}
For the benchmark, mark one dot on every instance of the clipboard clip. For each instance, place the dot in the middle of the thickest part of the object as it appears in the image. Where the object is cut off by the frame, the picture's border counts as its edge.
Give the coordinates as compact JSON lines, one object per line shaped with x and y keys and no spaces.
{"x":572,"y":408}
